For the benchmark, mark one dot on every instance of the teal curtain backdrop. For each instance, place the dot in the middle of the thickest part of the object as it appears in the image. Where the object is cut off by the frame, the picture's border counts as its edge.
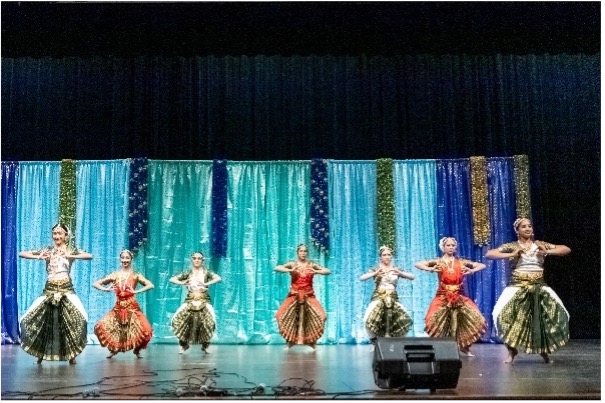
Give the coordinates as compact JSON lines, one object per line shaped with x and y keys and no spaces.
{"x":268,"y":216}
{"x":102,"y":222}
{"x":353,"y":246}
{"x":415,"y":202}
{"x":268,"y":209}
{"x":179,"y":197}
{"x":101,"y":217}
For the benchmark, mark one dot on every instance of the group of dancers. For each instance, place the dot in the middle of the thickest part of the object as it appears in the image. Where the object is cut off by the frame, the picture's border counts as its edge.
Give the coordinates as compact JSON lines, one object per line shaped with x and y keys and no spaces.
{"x":528,"y":315}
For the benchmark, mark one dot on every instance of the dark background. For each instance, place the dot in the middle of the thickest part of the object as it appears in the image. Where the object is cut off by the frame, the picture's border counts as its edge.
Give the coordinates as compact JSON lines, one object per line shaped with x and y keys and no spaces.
{"x":341,"y":80}
{"x":301,"y":28}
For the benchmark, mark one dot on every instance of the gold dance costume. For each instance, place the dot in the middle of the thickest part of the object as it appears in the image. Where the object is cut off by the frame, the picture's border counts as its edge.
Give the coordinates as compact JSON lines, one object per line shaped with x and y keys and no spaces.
{"x":451,"y":313}
{"x":54,"y":327}
{"x":300,"y":317}
{"x":385,"y":316}
{"x":195,"y":320}
{"x":125,"y":327}
{"x":529,"y":315}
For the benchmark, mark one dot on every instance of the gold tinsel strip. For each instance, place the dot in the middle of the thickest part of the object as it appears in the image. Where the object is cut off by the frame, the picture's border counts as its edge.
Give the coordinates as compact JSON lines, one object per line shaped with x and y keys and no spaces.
{"x":481,"y":223}
{"x":67,"y":196}
{"x":521,"y":167}
{"x":385,"y":202}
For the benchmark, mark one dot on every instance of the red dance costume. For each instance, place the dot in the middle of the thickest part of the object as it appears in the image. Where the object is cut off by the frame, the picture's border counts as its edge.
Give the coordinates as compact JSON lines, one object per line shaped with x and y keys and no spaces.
{"x":300,"y":317}
{"x":451,"y":314}
{"x":125,"y":327}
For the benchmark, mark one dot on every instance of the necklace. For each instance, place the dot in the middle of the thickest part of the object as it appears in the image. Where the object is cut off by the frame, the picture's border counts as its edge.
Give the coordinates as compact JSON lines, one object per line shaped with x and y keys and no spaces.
{"x":525,"y":246}
{"x":123,"y":280}
{"x":450,"y":264}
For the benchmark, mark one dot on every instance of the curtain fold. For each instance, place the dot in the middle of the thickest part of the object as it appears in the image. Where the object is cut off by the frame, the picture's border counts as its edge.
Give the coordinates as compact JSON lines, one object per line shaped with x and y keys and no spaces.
{"x":416,"y":214}
{"x":101,"y":229}
{"x":455,"y":219}
{"x":455,"y":214}
{"x":342,"y":107}
{"x":10,"y":313}
{"x":37,"y":212}
{"x":354,"y":247}
{"x":490,"y":282}
{"x":179,"y":194}
{"x":268,"y":216}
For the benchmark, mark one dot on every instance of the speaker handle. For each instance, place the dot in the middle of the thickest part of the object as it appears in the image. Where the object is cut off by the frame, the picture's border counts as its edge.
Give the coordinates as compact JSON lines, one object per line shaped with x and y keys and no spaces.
{"x":419,"y":353}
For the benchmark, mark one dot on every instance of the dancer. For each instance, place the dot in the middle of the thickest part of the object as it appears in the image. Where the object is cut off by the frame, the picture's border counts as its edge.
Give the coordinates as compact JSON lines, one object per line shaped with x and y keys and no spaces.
{"x":385,"y":316}
{"x":300,"y":317}
{"x":125,"y":327}
{"x":529,"y":314}
{"x":54,"y":327}
{"x":451,"y":313}
{"x":195,"y":321}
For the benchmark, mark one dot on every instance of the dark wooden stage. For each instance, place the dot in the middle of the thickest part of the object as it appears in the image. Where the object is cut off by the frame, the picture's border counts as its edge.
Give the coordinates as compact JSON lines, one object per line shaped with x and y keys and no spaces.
{"x":331,"y":372}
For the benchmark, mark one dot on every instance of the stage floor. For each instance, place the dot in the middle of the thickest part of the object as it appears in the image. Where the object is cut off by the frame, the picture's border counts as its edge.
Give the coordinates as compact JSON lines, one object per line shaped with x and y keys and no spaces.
{"x":332,"y":371}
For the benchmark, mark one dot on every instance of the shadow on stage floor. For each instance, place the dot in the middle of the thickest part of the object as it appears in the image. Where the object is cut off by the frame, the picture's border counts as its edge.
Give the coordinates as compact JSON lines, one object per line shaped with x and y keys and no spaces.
{"x":270,"y":372}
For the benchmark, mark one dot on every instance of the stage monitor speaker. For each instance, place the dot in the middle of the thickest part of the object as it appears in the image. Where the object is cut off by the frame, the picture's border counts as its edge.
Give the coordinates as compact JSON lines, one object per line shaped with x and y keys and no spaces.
{"x":416,"y":363}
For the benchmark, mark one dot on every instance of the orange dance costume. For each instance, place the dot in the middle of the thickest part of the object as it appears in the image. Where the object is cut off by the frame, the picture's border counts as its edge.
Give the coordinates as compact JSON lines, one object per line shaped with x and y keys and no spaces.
{"x":451,"y":313}
{"x":125,"y":327}
{"x":300,"y":317}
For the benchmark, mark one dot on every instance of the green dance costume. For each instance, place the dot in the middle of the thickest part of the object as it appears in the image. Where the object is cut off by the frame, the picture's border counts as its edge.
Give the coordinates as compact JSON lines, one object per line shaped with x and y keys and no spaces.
{"x":195,"y":320}
{"x":54,"y":327}
{"x":529,"y":315}
{"x":385,"y":316}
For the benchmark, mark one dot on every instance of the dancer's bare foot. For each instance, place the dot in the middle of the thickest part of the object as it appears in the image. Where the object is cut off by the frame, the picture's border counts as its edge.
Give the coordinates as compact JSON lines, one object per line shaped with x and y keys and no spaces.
{"x":467,"y":351}
{"x":39,"y":361}
{"x":112,"y":354}
{"x":546,"y":358}
{"x":512,"y":352}
{"x":72,"y":361}
{"x":137,"y":352}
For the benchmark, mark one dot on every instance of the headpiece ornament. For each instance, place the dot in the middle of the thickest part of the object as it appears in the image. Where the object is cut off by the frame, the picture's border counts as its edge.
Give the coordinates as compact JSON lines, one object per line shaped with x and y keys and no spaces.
{"x":383,"y":248}
{"x":129,"y":252}
{"x":518,"y":222}
{"x":443,"y":240}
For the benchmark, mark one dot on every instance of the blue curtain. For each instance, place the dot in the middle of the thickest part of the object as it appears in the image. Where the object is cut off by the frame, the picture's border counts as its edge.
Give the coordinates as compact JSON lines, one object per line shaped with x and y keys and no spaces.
{"x":455,"y":214}
{"x":37,"y":212}
{"x":353,"y":247}
{"x":415,"y":197}
{"x":10,"y":324}
{"x":490,"y":283}
{"x":101,"y":229}
{"x":455,"y":219}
